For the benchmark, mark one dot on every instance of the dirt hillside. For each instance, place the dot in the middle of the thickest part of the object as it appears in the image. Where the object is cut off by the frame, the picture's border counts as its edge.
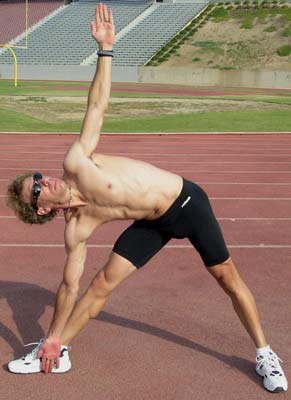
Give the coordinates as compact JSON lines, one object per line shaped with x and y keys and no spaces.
{"x":226,"y":45}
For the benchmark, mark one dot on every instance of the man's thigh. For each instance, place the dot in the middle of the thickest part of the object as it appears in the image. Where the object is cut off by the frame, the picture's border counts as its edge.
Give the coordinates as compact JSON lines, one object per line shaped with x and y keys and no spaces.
{"x":139,"y":243}
{"x":116,"y":270}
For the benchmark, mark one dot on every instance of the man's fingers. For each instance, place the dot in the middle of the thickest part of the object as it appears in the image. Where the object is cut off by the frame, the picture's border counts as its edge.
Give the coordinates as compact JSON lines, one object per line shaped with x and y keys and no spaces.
{"x":105,"y":14}
{"x":43,"y":361}
{"x":51,"y":365}
{"x":48,"y":365}
{"x":44,"y":364}
{"x":93,"y":27}
{"x":100,"y":9}
{"x":111,"y":17}
{"x":97,"y":14}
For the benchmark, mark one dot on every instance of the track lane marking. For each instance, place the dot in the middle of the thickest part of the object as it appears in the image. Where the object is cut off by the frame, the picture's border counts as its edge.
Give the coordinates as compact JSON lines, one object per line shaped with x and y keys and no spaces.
{"x":242,"y":246}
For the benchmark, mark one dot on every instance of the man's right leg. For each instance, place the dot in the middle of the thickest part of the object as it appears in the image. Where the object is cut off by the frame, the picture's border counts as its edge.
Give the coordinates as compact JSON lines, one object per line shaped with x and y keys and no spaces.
{"x":114,"y":272}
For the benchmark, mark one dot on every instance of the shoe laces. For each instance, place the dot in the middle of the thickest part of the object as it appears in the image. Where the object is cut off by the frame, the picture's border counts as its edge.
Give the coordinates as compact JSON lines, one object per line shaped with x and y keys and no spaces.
{"x":33,"y":354}
{"x":269,"y":359}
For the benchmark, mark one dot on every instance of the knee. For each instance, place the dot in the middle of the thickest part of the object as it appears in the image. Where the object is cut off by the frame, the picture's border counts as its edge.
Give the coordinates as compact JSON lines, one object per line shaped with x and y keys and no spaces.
{"x":100,"y":286}
{"x":228,"y":278}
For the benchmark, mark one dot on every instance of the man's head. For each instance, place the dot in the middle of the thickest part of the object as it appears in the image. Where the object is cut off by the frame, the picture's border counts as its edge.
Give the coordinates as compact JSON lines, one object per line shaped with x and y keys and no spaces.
{"x":35,"y":198}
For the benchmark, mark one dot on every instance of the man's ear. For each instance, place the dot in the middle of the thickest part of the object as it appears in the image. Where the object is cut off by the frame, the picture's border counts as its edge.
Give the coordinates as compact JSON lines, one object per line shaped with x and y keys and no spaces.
{"x":43,"y":210}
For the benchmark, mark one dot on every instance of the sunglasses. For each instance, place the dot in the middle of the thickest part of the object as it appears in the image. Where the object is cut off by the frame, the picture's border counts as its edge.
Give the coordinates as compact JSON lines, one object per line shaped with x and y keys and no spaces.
{"x":36,"y":188}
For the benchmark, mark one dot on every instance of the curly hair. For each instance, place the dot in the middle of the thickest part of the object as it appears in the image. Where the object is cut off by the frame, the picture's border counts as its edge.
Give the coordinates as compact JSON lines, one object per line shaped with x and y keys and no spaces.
{"x":25,"y":212}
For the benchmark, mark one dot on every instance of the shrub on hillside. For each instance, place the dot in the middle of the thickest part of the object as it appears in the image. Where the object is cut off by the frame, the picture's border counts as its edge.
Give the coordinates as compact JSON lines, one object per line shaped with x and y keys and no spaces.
{"x":284,"y":51}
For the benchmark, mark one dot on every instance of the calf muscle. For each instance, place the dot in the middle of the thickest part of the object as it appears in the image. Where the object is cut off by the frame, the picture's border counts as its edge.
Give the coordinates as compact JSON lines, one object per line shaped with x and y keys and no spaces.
{"x":115,"y":271}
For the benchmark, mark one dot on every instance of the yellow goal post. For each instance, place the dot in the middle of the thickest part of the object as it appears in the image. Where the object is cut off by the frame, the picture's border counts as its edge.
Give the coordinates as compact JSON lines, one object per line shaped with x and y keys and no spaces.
{"x":10,"y":47}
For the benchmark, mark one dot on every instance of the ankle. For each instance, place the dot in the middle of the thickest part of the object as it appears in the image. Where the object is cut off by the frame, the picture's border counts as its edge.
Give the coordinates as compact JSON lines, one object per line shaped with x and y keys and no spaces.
{"x":262,"y":350}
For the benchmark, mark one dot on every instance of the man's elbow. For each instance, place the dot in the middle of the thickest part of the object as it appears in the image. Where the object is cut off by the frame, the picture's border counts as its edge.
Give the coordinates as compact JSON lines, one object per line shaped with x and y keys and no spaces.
{"x":99,"y":107}
{"x":71,"y":288}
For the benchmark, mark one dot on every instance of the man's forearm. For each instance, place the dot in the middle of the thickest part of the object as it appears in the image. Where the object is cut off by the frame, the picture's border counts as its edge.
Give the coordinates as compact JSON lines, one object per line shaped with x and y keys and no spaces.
{"x":65,"y":302}
{"x":99,"y":93}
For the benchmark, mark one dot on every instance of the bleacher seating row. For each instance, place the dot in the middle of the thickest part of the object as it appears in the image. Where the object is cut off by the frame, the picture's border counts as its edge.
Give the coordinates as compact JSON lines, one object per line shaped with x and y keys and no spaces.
{"x":66,"y":38}
{"x":150,"y":35}
{"x":12,"y":16}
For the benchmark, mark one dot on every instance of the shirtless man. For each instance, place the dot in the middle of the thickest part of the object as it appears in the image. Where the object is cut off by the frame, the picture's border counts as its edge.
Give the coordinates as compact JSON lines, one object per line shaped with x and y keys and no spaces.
{"x":96,"y":189}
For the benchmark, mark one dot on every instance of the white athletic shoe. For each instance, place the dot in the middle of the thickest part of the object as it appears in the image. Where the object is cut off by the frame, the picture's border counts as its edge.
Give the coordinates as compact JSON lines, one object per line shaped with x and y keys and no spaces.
{"x":268,"y":366}
{"x":30,"y":364}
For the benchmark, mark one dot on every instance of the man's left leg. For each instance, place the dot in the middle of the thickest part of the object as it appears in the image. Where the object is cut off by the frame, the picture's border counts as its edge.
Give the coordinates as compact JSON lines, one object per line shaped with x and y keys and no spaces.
{"x":268,"y":364}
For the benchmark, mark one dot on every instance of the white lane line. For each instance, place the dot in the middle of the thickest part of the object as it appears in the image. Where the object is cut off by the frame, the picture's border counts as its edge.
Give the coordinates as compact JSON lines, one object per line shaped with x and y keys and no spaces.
{"x":251,"y":219}
{"x":14,"y":217}
{"x":218,"y":183}
{"x":195,"y":171}
{"x":174,"y":246}
{"x":37,"y":160}
{"x":233,"y":219}
{"x":31,"y":152}
{"x":231,"y":198}
{"x":221,"y":172}
{"x":260,"y":143}
{"x":28,"y":168}
{"x":278,"y":141}
{"x":172,"y":141}
{"x":252,"y":198}
{"x":162,"y":154}
{"x":242,"y":183}
{"x":160,"y":161}
{"x":197,"y":153}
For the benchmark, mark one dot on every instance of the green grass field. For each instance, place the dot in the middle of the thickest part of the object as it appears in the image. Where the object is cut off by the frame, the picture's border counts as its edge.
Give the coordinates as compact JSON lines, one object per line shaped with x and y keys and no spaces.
{"x":20,"y":111}
{"x":244,"y":121}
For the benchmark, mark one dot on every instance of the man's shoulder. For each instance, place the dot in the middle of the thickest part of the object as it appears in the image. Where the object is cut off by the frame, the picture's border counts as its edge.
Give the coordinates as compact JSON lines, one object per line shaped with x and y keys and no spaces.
{"x":74,"y":158}
{"x":73,"y":234}
{"x":79,"y":228}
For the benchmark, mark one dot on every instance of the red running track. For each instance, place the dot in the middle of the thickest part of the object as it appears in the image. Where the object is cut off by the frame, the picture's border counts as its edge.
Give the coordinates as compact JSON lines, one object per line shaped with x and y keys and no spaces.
{"x":169,"y":332}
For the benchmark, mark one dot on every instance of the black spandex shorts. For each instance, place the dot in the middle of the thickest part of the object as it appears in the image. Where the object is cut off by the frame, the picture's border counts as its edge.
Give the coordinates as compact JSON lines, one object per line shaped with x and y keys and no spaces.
{"x":190,"y":216}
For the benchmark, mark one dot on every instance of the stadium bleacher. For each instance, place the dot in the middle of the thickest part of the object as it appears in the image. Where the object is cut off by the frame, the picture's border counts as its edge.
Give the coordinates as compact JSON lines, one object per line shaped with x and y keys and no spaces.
{"x":65,"y":38}
{"x":12,"y":16}
{"x":151,"y":34}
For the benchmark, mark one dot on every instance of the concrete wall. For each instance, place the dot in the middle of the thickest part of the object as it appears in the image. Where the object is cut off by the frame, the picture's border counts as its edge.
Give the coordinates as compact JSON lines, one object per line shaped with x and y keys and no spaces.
{"x":216,"y":77}
{"x":180,"y":75}
{"x":65,"y":72}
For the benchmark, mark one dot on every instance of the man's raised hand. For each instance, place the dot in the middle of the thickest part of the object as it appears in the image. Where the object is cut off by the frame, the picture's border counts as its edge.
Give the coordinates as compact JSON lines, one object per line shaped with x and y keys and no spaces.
{"x":103,"y":30}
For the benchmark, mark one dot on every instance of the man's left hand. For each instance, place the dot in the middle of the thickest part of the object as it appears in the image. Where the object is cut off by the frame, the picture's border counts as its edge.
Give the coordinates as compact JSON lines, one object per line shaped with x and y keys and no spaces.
{"x":103,"y":29}
{"x":50,"y":354}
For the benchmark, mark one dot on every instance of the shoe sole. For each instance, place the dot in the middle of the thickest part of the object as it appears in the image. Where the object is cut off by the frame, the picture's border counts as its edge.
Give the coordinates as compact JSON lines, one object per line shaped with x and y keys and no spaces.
{"x":278,"y":389}
{"x":54,"y":371}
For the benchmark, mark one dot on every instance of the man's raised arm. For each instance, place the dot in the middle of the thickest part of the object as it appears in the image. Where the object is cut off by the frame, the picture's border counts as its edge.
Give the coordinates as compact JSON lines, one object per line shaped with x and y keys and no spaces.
{"x":103,"y":32}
